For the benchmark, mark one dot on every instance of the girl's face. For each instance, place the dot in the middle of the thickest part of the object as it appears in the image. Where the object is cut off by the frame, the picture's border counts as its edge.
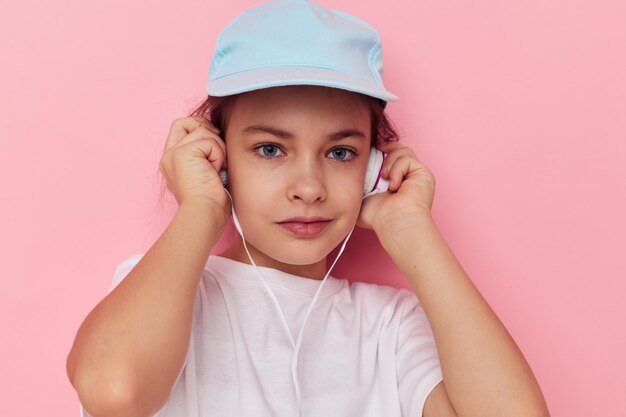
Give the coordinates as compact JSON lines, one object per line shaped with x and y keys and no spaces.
{"x":296,"y":151}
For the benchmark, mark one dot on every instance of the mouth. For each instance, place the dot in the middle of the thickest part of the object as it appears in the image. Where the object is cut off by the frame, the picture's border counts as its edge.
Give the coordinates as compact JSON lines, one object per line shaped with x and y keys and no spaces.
{"x":305,"y":227}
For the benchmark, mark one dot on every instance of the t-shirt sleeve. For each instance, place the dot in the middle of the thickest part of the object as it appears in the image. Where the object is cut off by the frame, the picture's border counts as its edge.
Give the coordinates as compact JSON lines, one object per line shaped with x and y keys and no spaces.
{"x":123,"y":269}
{"x":417,"y":360}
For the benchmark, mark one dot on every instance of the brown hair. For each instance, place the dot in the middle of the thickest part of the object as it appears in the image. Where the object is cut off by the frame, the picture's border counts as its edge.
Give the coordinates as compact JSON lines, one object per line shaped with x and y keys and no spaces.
{"x":215,"y":109}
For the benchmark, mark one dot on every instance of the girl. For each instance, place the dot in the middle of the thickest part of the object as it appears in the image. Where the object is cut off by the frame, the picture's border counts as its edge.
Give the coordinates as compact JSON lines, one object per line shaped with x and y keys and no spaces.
{"x":296,"y":103}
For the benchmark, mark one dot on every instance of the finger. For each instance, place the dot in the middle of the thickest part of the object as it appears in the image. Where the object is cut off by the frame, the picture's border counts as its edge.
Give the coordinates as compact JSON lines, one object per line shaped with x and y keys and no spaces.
{"x":399,"y":170}
{"x":203,"y":133}
{"x":183,"y":126}
{"x":200,"y":121}
{"x":206,"y":122}
{"x":199,"y":133}
{"x":206,"y":149}
{"x":393,"y":156}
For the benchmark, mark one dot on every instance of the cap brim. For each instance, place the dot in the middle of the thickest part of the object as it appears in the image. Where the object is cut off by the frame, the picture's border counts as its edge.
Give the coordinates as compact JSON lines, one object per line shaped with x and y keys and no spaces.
{"x":260,"y":78}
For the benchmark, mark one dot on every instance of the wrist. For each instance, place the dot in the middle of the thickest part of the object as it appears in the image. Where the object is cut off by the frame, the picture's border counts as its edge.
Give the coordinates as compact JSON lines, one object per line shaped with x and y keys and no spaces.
{"x":401,"y":218}
{"x":402,"y":221}
{"x":206,"y":209}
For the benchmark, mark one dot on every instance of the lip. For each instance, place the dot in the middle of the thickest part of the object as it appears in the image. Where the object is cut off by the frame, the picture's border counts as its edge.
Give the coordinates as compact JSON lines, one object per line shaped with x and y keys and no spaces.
{"x":305,"y":226}
{"x":303,"y":219}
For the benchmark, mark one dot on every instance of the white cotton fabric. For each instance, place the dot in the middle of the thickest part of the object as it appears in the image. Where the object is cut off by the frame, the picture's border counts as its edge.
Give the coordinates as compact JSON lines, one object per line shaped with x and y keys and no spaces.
{"x":367,"y":349}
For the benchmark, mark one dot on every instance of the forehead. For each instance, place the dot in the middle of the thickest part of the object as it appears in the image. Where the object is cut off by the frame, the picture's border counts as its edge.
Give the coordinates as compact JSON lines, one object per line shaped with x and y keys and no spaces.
{"x":301,"y":107}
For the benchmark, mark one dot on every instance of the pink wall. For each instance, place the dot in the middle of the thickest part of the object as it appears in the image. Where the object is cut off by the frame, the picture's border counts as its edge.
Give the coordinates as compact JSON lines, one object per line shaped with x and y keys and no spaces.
{"x":517,"y":107}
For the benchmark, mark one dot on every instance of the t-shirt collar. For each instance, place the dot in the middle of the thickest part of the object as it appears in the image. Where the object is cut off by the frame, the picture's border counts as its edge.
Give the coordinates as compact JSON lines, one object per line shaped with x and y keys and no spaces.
{"x":274,"y":277}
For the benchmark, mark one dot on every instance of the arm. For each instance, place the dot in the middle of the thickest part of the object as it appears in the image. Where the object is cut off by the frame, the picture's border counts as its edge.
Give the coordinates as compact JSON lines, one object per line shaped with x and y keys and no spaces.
{"x":485,"y":374}
{"x":131,"y":347}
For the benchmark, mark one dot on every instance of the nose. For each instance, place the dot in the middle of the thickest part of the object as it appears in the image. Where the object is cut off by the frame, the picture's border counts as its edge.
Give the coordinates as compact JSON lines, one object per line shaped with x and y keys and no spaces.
{"x":306,"y":183}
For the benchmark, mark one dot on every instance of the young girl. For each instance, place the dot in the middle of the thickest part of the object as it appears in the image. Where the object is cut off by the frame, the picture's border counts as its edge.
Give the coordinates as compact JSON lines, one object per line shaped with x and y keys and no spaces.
{"x":294,"y":116}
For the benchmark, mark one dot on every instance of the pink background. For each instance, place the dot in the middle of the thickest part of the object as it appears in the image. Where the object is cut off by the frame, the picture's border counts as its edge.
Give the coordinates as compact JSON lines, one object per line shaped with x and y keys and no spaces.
{"x":518,"y":108}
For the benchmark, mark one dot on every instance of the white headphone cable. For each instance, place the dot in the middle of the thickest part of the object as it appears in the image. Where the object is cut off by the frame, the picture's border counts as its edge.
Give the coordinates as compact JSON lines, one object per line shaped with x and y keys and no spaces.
{"x":294,"y":363}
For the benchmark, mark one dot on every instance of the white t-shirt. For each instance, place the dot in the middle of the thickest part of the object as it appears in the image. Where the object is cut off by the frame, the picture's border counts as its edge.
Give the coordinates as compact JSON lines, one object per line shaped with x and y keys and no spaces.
{"x":367,"y":349}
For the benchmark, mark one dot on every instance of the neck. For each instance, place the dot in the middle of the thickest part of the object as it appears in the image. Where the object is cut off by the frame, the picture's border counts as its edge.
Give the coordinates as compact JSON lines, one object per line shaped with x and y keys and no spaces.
{"x":237,"y":252}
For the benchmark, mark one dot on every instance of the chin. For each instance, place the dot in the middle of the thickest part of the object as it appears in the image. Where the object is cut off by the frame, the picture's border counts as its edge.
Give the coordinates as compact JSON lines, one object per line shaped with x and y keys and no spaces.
{"x":300,"y":252}
{"x":298,"y":258}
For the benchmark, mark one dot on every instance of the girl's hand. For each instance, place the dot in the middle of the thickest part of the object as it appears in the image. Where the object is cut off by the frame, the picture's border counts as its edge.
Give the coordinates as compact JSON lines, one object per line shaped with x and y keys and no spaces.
{"x":411,"y":189}
{"x":193,"y":155}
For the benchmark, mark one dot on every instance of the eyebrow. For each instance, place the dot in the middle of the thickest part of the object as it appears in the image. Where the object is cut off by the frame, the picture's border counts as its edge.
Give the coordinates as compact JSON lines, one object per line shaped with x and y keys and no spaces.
{"x":251,"y":130}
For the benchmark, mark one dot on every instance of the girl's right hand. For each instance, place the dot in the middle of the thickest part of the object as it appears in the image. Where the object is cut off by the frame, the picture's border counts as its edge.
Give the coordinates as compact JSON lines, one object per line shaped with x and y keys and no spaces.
{"x":194,"y":154}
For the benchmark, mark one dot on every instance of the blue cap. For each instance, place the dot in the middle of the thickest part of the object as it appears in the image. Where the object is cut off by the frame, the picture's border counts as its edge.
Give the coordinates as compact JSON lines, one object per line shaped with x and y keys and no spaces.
{"x":293,"y":42}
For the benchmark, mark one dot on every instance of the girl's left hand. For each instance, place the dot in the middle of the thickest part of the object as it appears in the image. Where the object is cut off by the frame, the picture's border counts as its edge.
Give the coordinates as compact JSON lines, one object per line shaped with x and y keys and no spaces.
{"x":411,"y":189}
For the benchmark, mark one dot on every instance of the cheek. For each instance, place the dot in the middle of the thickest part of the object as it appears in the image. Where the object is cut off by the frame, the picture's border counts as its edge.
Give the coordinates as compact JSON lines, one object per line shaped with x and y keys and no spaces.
{"x":350,"y":193}
{"x":240,"y":174}
{"x":253,"y":195}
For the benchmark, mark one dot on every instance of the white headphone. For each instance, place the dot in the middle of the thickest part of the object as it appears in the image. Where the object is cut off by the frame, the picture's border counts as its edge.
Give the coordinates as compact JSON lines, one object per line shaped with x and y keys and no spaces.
{"x":373,"y":180}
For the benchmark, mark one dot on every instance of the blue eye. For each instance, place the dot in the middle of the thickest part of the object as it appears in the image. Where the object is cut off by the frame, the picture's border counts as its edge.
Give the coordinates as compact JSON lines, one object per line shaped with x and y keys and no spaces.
{"x":341,"y":154}
{"x":268,"y":151}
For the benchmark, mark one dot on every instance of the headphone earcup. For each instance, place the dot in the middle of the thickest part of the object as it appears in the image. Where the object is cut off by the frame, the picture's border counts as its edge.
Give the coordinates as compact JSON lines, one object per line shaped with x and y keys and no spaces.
{"x":373,"y":180}
{"x":224,"y":177}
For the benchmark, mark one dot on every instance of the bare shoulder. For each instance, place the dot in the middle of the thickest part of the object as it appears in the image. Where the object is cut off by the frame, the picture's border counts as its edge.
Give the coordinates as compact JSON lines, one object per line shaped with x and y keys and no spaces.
{"x":438,"y":404}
